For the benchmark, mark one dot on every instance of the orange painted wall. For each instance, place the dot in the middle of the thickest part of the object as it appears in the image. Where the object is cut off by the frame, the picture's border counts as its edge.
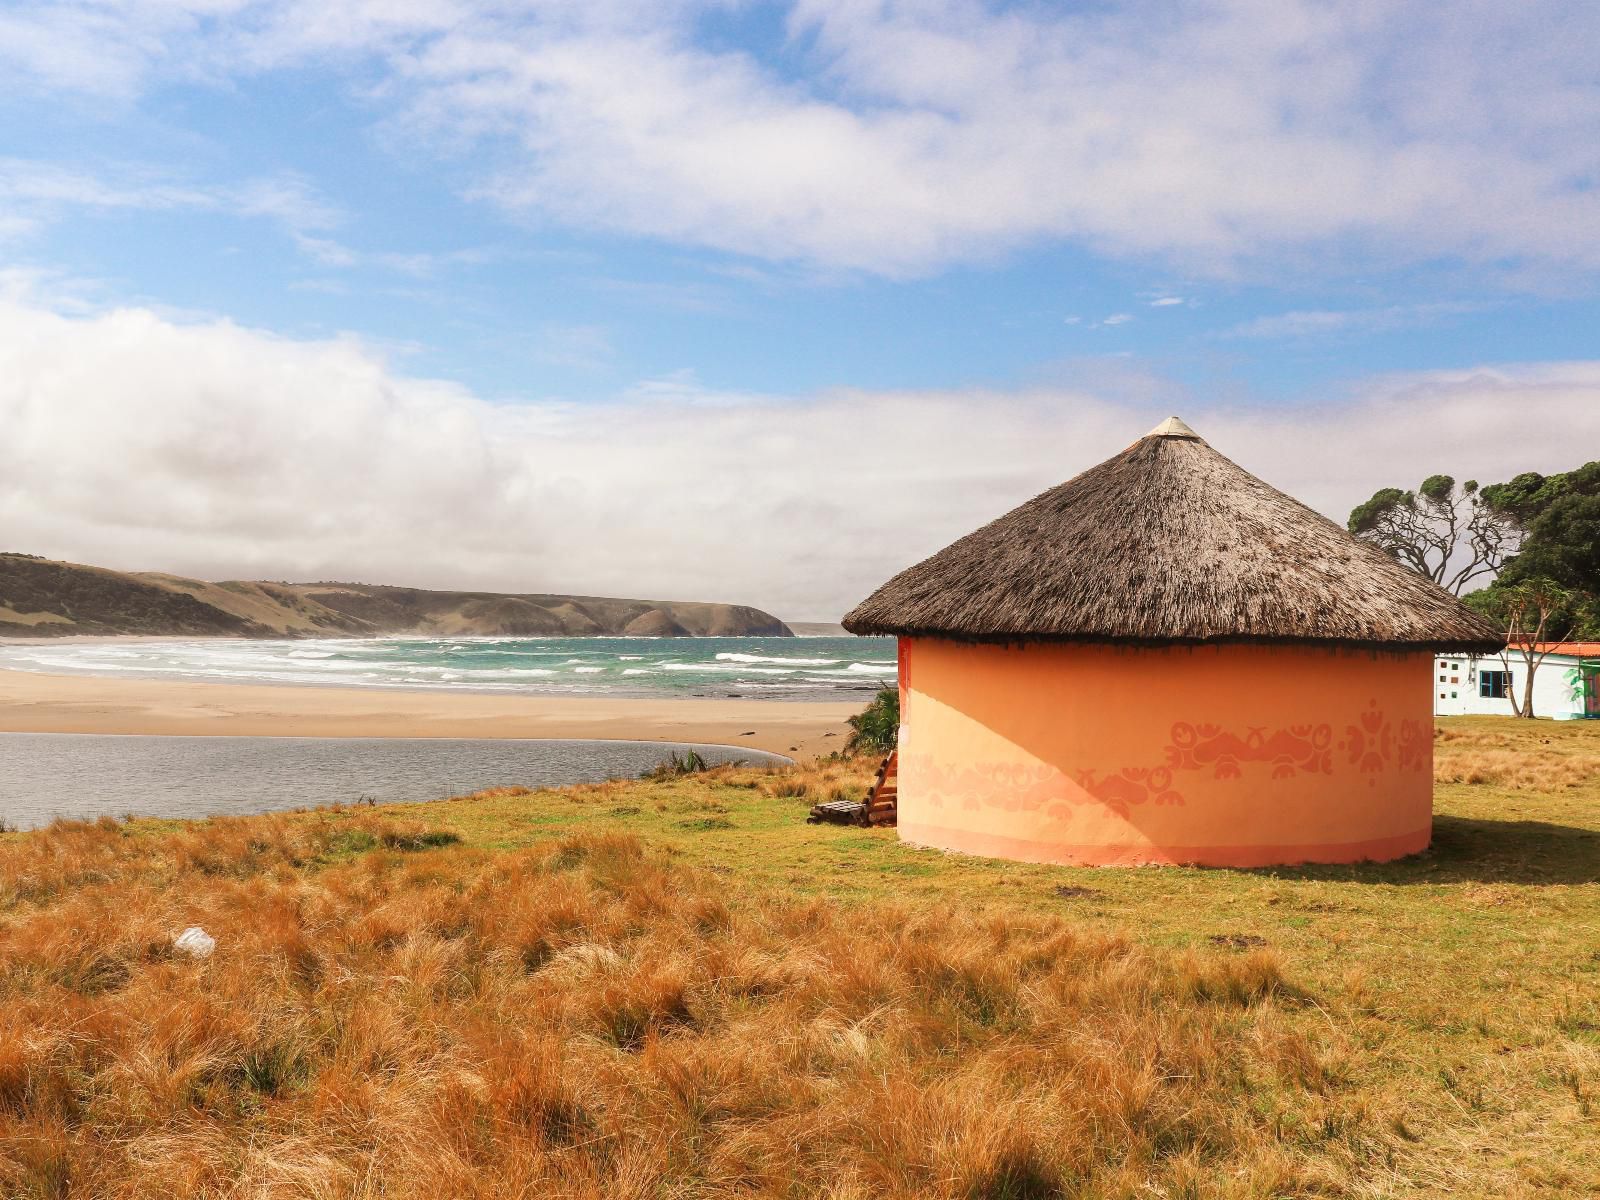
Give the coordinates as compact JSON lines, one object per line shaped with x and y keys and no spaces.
{"x":1225,"y":756}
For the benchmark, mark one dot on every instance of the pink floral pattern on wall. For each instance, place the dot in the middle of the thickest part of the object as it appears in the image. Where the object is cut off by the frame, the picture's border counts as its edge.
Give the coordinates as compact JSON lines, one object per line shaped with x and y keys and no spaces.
{"x":1370,"y":745}
{"x":1131,"y":786}
{"x":1416,"y":745}
{"x":1289,"y":751}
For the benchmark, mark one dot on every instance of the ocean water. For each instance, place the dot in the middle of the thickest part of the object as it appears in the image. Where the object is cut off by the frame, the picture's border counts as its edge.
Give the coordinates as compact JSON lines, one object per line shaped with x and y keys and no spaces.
{"x":49,"y":775}
{"x":756,"y":668}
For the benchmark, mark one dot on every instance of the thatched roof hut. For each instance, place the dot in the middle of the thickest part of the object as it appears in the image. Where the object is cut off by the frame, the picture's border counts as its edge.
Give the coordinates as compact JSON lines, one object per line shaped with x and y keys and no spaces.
{"x":1170,"y":542}
{"x":1166,"y":660}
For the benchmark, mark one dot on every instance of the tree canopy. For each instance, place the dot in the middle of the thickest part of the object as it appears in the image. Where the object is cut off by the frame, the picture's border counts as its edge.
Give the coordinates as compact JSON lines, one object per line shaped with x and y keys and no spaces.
{"x":1561,"y":514}
{"x":1535,"y":529}
{"x":1453,"y":535}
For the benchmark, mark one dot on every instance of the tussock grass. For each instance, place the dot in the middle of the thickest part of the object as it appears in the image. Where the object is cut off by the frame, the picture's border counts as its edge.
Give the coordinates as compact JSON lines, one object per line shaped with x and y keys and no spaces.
{"x":1517,"y":770}
{"x":387,"y":1014}
{"x":826,"y":779}
{"x":677,"y":988}
{"x":1524,"y":756}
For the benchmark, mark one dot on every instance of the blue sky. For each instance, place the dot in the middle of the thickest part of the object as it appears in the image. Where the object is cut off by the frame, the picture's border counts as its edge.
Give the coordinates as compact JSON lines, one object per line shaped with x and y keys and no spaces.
{"x":1040,"y":223}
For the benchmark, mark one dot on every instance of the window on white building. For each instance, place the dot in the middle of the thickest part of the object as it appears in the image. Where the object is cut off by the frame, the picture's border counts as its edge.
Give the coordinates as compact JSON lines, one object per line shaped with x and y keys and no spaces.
{"x":1494,"y":684}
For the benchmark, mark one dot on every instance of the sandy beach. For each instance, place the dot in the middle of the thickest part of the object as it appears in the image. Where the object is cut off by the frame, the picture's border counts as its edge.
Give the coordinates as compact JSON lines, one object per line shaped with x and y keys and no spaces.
{"x":41,"y":703}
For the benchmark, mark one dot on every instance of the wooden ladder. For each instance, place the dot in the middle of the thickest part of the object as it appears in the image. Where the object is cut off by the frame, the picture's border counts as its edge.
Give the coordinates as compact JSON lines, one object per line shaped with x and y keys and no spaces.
{"x":881,"y":808}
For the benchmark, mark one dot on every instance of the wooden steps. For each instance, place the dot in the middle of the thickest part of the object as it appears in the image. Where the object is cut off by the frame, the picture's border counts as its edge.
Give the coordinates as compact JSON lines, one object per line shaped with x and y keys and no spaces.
{"x":882,"y":801}
{"x":880,"y":807}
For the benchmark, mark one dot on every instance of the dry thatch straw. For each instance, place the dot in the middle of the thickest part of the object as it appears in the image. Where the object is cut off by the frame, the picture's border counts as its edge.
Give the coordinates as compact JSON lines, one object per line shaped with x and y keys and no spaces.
{"x":1170,"y":542}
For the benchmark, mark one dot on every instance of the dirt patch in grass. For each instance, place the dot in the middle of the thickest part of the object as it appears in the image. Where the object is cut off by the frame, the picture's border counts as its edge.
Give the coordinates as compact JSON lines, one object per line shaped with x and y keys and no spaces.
{"x":1074,"y":891}
{"x":1237,"y":941}
{"x":706,"y":824}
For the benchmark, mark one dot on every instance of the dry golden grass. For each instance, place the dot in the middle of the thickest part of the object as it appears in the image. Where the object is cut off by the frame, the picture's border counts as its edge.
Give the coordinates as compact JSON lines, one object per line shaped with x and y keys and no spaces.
{"x":1510,"y":769}
{"x":388,"y":1017}
{"x":825,"y":779}
{"x":678,"y":989}
{"x":1536,"y":756}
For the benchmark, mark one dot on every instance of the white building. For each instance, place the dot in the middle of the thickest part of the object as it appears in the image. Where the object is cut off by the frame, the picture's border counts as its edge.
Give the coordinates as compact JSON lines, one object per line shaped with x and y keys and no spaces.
{"x":1566,"y":684}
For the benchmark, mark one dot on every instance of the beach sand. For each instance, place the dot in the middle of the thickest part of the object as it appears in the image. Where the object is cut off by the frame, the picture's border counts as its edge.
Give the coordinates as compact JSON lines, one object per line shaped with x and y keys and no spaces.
{"x":39,"y":703}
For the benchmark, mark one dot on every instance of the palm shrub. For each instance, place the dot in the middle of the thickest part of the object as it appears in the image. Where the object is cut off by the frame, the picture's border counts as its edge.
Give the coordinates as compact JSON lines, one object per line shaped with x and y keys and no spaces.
{"x":876,"y":728}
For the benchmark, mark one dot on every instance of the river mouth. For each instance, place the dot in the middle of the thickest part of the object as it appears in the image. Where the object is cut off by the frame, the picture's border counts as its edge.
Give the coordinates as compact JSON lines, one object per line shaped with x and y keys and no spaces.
{"x":82,"y":776}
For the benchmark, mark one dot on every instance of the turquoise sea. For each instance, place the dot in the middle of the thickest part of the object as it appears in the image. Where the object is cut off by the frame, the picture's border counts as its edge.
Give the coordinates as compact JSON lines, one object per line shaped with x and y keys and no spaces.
{"x":817,"y":668}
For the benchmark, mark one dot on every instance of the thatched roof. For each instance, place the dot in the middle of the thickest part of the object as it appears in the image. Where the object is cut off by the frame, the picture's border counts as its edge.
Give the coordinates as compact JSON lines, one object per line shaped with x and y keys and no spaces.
{"x":1170,"y":542}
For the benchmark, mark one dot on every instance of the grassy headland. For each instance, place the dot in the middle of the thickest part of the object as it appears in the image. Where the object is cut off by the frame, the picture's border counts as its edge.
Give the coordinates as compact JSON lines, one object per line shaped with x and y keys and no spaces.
{"x":676,"y":988}
{"x":40,"y":597}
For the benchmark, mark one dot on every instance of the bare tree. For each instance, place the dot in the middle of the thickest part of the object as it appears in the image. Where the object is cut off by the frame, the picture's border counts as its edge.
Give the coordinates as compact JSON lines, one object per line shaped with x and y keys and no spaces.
{"x":1527,"y":610}
{"x":1452,"y":535}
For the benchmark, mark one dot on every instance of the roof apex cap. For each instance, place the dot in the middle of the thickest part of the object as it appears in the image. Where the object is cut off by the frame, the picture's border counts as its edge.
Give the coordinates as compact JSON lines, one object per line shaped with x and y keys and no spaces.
{"x":1173,"y":427}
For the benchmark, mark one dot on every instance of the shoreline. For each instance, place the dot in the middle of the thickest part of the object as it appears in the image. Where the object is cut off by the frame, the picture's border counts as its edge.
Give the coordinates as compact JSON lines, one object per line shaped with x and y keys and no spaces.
{"x":36,"y":702}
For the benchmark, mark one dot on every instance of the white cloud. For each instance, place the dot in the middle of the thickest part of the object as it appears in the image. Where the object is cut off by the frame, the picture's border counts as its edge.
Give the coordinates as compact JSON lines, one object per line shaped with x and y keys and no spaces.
{"x":1322,"y":322}
{"x":138,"y":441}
{"x":1166,"y":301}
{"x":1117,"y":319}
{"x":15,"y":227}
{"x":1225,"y":134}
{"x":329,"y":252}
{"x":34,"y":192}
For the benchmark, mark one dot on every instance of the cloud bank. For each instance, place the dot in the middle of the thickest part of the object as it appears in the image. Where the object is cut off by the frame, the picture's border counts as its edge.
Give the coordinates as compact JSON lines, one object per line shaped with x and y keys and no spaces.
{"x":898,"y":138}
{"x":136,"y":441}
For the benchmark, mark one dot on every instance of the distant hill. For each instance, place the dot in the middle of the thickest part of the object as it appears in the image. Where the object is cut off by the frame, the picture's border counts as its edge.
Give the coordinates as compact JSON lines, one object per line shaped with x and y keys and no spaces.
{"x":42,"y":598}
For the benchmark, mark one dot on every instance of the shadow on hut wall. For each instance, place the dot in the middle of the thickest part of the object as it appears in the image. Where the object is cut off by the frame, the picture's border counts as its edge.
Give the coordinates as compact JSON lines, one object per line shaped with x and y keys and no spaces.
{"x":1234,"y":755}
{"x":1474,"y":850}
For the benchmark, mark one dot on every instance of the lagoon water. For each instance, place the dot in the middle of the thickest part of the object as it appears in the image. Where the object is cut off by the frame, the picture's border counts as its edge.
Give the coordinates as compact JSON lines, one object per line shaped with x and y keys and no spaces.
{"x":754,"y":668}
{"x":48,"y":775}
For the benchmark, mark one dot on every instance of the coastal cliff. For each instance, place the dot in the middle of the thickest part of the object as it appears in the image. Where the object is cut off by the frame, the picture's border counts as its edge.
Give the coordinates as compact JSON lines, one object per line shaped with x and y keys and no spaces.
{"x":44,"y":598}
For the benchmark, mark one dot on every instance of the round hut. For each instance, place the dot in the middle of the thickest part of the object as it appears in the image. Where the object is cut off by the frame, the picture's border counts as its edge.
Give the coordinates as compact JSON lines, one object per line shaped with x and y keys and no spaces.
{"x":1165,"y":660}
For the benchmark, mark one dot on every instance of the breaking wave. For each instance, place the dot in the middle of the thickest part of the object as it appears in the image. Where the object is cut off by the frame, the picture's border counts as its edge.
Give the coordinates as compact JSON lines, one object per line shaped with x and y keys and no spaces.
{"x":846,"y":667}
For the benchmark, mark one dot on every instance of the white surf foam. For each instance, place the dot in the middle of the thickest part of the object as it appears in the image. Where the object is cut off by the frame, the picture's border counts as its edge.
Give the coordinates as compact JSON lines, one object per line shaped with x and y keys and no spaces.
{"x":713,"y":668}
{"x":762,"y":658}
{"x":467,"y":663}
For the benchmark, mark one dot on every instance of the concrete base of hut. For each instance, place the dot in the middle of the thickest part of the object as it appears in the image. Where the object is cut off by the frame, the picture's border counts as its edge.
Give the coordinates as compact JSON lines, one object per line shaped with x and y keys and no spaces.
{"x":1230,"y":756}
